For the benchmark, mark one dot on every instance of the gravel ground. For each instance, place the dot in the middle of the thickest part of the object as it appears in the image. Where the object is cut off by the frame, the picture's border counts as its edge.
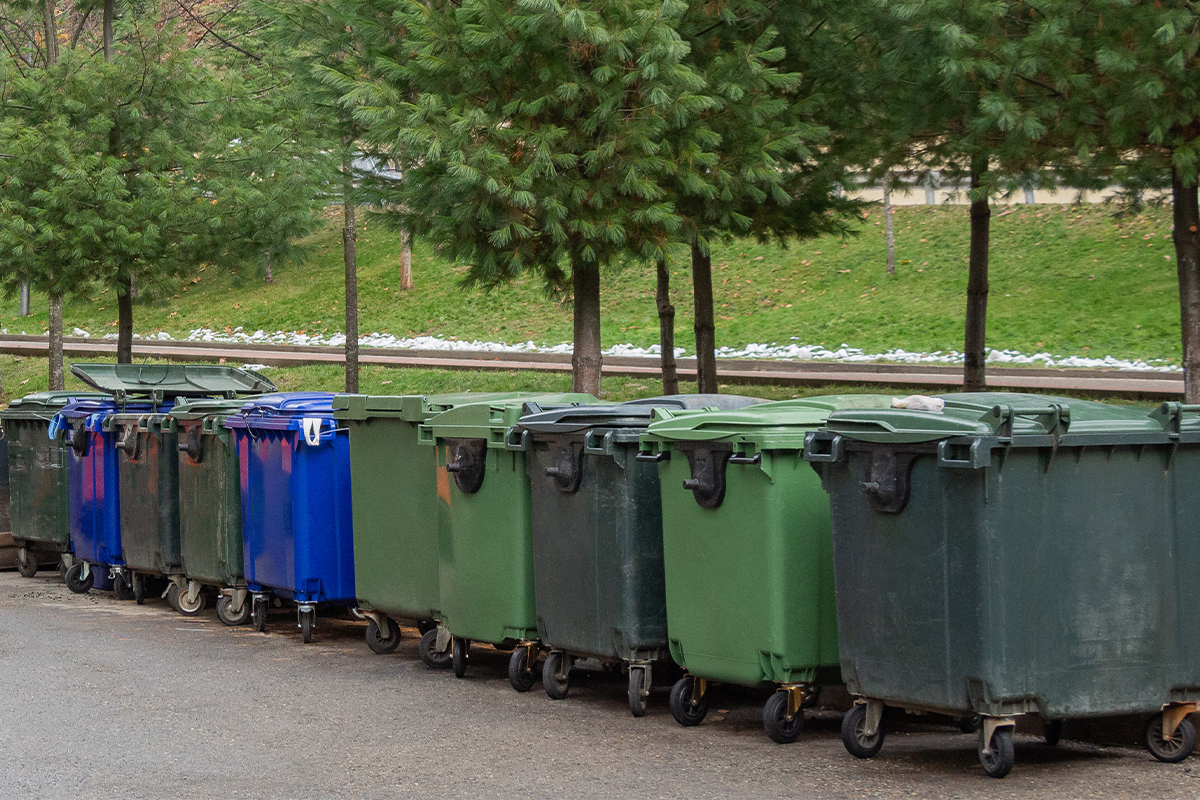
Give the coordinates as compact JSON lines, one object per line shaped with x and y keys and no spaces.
{"x":110,"y":699}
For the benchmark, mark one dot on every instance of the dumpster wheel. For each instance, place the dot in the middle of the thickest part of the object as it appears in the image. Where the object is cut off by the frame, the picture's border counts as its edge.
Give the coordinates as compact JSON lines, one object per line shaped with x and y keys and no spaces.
{"x":308,"y":621}
{"x":139,"y":588}
{"x":1174,"y":747}
{"x":997,"y":756}
{"x":640,"y":677}
{"x":258,"y":613}
{"x":1052,"y":731}
{"x":858,"y":742}
{"x":783,"y":715}
{"x":556,"y":674}
{"x":121,"y":586}
{"x":520,"y":666}
{"x":429,"y":653}
{"x":458,"y":658}
{"x":27,"y":563}
{"x":689,"y":700}
{"x":379,"y":643}
{"x":227,"y":615}
{"x":77,"y":581}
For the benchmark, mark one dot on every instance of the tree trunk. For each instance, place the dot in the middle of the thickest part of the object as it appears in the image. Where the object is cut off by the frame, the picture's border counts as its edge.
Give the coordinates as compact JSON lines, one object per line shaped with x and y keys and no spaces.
{"x":666,"y":330}
{"x":350,"y":257}
{"x":268,"y":275}
{"x":110,"y":7}
{"x":56,"y":344}
{"x":586,"y":359}
{"x":706,"y":332}
{"x":889,"y":231}
{"x":50,"y":31}
{"x":406,"y":281}
{"x":1187,"y":264}
{"x":125,"y":321}
{"x":974,"y":369}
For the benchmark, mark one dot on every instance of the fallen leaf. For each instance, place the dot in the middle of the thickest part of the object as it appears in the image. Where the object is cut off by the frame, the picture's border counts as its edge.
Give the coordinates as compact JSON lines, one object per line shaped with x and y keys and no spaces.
{"x":843,"y":270}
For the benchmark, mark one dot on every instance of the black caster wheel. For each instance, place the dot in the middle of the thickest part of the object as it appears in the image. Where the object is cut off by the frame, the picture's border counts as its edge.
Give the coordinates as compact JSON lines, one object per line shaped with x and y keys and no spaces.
{"x":556,"y":674}
{"x":308,"y":621}
{"x":139,"y":588}
{"x":1052,"y":731}
{"x":461,"y":651}
{"x":430,"y":655}
{"x":854,"y":725}
{"x":380,"y":644}
{"x":227,"y":615}
{"x":776,"y":723}
{"x":520,"y":674}
{"x":639,"y":691}
{"x":27,"y":564}
{"x":172,"y":596}
{"x":684,"y":709}
{"x":811,"y":699}
{"x":971,"y":724}
{"x":77,"y":584}
{"x":1173,"y":750}
{"x":121,"y":587}
{"x":998,"y":760}
{"x":424,"y":626}
{"x":258,"y":613}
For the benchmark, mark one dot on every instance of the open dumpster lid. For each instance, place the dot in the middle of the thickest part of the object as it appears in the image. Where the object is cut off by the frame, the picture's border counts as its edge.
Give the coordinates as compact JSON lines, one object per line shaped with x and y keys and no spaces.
{"x":172,"y":380}
{"x":632,"y":414}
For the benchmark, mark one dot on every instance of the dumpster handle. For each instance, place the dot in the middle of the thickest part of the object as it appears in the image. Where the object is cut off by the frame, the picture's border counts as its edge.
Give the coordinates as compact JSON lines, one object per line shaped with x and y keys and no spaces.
{"x":1170,"y":415}
{"x":812,"y":440}
{"x":978,"y":457}
{"x":661,"y":455}
{"x":754,"y":459}
{"x":517,"y":440}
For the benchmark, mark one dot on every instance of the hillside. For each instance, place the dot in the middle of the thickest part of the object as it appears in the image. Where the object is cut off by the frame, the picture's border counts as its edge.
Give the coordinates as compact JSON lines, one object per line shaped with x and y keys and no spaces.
{"x":1065,"y":280}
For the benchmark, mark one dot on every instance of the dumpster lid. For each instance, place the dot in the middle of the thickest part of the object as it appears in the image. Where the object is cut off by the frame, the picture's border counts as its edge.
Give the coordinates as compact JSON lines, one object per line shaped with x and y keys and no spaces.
{"x":172,"y":380}
{"x":200,"y":408}
{"x":41,"y":404}
{"x":412,"y":407}
{"x":994,"y":414}
{"x":82,"y":407}
{"x":285,"y":405}
{"x":484,"y":420}
{"x":631,"y":414}
{"x":780,"y":424}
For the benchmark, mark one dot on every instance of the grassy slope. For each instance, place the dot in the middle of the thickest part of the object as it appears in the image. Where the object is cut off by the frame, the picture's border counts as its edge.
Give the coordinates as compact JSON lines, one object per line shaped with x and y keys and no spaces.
{"x":1064,"y":279}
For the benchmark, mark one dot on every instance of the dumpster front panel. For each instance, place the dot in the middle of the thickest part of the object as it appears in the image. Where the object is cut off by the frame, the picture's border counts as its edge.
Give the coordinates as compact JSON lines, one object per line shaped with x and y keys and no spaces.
{"x":149,"y":476}
{"x":94,"y":490}
{"x":210,"y":510}
{"x":37,"y":484}
{"x":749,"y":583}
{"x":486,"y":550}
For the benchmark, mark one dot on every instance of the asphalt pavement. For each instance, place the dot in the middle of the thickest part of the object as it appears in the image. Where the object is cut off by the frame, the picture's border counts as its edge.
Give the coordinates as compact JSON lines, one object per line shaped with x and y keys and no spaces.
{"x":104,"y":698}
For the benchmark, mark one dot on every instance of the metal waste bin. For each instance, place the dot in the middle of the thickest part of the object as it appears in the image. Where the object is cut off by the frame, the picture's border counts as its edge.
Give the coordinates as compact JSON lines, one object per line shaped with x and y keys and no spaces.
{"x":485,"y":541}
{"x":746,"y":545}
{"x":394,"y":487}
{"x":296,"y":505}
{"x":597,"y":540}
{"x":1016,"y":554}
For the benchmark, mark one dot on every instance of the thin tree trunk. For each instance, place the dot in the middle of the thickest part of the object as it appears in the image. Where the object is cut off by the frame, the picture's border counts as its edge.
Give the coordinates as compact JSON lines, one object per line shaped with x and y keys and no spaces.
{"x":705,"y":330}
{"x":50,"y":31}
{"x":56,"y":344}
{"x":350,"y":257}
{"x":888,"y":229}
{"x":1187,"y":264}
{"x":406,"y":281}
{"x":125,"y":321}
{"x":666,"y":330}
{"x":268,"y":275}
{"x":586,"y":359}
{"x":110,"y":7}
{"x":974,"y":369}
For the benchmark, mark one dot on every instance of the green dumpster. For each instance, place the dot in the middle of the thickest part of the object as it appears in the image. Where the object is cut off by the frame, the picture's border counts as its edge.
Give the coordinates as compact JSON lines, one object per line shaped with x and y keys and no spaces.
{"x":485,"y":541}
{"x":393,"y":483}
{"x":210,"y":504}
{"x":1016,"y":554}
{"x":597,"y":540}
{"x":37,"y":474}
{"x":746,"y":544}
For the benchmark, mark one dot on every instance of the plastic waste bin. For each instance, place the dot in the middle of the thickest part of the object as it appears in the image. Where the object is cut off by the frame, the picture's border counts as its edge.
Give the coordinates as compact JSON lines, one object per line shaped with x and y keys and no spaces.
{"x":148,"y":467}
{"x":1015,"y":554}
{"x":484,"y":530}
{"x":394,"y":487}
{"x":210,"y":505}
{"x":597,"y":540}
{"x":294,"y":473}
{"x":746,"y":545}
{"x":37,"y":475}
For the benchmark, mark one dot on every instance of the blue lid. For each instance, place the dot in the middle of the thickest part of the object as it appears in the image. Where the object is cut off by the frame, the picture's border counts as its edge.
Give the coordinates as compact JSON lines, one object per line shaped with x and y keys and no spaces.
{"x":283,"y":410}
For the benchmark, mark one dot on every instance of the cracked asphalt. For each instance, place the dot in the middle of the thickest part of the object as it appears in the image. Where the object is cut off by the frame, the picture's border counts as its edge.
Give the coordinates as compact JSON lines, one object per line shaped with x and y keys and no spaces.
{"x":104,"y":698}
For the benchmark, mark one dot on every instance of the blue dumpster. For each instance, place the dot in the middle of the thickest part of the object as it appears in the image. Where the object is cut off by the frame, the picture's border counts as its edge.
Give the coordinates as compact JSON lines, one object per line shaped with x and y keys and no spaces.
{"x":294,"y":469}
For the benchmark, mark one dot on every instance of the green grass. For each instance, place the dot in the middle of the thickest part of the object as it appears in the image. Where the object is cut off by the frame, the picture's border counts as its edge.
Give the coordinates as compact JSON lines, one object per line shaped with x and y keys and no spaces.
{"x":1064,"y":279}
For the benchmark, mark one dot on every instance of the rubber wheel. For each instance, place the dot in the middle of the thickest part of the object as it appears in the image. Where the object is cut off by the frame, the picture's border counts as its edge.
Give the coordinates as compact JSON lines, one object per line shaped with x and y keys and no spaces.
{"x":27,"y":563}
{"x":811,"y":699}
{"x":307,"y":618}
{"x":775,"y":721}
{"x":854,"y":723}
{"x":684,"y":711}
{"x":460,"y":651}
{"x":427,"y":650}
{"x":173,"y":596}
{"x":971,"y":724}
{"x":556,"y":675}
{"x":258,"y":613}
{"x":999,"y":761}
{"x":73,"y":581}
{"x":1052,"y":731}
{"x":121,"y":589}
{"x":378,"y":643}
{"x":637,"y":692}
{"x":426,"y":625}
{"x":139,"y":588}
{"x":1178,"y":748}
{"x":519,"y":674}
{"x":190,"y":609}
{"x":226,"y":614}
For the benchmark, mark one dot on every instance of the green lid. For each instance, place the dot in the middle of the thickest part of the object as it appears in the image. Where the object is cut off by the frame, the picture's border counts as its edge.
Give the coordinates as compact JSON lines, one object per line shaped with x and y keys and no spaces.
{"x":411,"y":407}
{"x":42,"y":405}
{"x":172,"y":380}
{"x":490,"y":419}
{"x":200,"y":408}
{"x":780,"y":425}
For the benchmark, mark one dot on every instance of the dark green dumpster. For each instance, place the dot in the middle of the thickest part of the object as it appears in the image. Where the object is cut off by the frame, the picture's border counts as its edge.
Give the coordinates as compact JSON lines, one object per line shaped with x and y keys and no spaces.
{"x":746,"y":543}
{"x":394,"y":486}
{"x":485,"y":538}
{"x":37,"y":467}
{"x":1016,"y":554}
{"x":597,"y":540}
{"x":210,"y":504}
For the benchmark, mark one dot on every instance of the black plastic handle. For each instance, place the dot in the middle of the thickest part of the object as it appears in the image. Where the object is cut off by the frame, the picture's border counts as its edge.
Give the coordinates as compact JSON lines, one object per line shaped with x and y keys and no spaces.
{"x":663,"y":455}
{"x":754,"y":459}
